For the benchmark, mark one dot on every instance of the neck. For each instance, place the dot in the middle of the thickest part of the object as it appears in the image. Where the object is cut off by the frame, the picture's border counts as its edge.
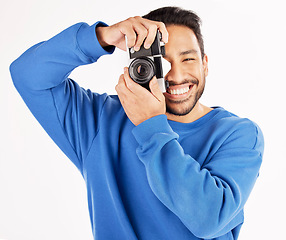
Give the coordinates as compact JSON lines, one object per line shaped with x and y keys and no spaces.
{"x":197,"y":112}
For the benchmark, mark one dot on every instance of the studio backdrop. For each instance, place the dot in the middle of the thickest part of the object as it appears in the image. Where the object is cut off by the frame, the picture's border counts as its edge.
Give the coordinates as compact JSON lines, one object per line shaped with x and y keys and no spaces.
{"x":42,"y":194}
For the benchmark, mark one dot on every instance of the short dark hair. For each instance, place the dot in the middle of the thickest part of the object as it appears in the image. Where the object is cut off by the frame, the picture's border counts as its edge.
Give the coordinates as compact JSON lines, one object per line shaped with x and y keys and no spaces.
{"x":179,"y":16}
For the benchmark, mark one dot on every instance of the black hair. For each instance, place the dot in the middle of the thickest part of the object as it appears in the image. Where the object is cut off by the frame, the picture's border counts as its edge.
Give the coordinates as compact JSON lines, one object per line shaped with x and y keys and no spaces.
{"x":179,"y":16}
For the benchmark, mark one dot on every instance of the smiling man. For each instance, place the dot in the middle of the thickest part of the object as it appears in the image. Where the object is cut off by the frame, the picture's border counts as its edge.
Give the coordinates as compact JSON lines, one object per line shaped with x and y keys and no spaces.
{"x":157,"y":166}
{"x":187,"y":75}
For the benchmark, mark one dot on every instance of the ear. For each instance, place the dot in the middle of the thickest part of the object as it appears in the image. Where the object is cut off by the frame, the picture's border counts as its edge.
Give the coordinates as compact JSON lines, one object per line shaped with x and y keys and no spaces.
{"x":205,"y":65}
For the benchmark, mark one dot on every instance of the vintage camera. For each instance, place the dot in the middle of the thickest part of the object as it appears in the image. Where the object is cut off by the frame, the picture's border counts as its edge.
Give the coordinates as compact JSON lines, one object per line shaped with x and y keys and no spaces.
{"x":147,"y":63}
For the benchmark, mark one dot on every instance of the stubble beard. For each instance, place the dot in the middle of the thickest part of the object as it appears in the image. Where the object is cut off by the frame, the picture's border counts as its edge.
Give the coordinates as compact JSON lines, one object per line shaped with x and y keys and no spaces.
{"x":189,"y":103}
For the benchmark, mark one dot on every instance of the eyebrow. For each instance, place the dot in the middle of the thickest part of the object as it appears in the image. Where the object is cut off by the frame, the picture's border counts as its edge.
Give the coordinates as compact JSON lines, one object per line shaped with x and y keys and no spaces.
{"x":188,"y":52}
{"x":191,"y":51}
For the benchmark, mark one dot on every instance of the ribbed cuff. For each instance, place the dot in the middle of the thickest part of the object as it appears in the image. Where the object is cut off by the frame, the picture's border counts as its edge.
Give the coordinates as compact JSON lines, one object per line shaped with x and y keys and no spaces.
{"x":88,"y":43}
{"x":145,"y":130}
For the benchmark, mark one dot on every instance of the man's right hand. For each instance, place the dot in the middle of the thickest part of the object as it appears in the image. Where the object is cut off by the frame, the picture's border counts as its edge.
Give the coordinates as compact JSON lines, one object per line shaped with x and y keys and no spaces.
{"x":137,"y":29}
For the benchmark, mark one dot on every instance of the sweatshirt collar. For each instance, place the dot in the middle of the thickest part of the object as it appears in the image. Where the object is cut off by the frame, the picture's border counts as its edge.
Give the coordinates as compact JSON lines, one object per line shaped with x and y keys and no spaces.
{"x":204,"y":119}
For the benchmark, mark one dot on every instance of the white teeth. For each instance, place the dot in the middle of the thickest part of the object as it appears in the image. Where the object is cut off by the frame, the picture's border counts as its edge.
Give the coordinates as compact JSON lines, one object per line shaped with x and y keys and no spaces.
{"x":179,"y":91}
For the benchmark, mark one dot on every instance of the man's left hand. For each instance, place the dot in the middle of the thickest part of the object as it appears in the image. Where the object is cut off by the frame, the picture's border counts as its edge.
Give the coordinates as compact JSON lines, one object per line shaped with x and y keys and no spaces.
{"x":139,"y":103}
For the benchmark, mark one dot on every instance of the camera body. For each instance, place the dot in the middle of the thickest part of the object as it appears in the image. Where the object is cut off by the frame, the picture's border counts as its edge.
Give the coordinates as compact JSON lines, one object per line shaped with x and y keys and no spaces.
{"x":147,"y":63}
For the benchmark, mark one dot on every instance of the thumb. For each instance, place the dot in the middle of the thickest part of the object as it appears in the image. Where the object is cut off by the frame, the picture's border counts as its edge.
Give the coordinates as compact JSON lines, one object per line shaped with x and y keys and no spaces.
{"x":155,"y":89}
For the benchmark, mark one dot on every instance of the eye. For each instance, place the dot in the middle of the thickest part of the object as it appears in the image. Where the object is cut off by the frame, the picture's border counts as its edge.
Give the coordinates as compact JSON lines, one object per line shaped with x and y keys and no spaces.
{"x":188,"y":59}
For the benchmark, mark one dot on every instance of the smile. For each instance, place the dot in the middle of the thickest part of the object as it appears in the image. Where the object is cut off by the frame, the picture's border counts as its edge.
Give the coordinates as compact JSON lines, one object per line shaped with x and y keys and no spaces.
{"x":179,"y":91}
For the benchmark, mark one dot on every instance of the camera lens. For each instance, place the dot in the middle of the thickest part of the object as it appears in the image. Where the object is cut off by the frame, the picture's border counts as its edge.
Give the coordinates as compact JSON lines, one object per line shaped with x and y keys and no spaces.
{"x":142,"y":70}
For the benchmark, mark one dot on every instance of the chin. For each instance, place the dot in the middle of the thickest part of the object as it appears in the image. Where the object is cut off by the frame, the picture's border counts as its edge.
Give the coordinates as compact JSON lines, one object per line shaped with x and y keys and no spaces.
{"x":180,"y":110}
{"x":185,"y":106}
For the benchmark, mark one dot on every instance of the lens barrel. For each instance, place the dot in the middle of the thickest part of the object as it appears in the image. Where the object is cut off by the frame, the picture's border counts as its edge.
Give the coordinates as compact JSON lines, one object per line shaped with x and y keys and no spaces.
{"x":142,"y":70}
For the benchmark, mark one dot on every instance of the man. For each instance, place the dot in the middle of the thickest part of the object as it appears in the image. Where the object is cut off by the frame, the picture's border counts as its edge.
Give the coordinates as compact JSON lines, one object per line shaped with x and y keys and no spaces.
{"x":156,"y":165}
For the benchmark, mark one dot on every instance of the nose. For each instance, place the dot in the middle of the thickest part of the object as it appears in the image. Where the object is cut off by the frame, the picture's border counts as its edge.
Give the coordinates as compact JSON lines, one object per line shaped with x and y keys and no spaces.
{"x":175,"y":74}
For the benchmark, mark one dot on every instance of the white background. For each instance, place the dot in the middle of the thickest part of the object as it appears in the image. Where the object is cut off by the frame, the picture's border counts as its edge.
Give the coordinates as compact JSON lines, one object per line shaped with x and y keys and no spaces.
{"x":43,"y":196}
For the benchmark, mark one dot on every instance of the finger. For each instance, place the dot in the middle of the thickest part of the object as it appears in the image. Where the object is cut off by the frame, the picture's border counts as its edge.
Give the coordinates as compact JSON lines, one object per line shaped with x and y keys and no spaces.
{"x":152,"y":31}
{"x":122,"y":97}
{"x":162,"y":28}
{"x":121,"y":87}
{"x":155,"y":89}
{"x":134,"y":87}
{"x":141,"y":35}
{"x":130,"y":34}
{"x":159,"y":25}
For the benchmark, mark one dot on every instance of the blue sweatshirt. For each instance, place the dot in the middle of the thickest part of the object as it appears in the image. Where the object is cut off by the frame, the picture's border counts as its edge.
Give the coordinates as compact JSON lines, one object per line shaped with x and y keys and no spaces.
{"x":159,"y":180}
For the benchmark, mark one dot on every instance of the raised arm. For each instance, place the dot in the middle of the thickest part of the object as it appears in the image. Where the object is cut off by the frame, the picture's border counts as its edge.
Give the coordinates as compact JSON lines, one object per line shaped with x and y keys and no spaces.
{"x":64,"y":109}
{"x":70,"y":114}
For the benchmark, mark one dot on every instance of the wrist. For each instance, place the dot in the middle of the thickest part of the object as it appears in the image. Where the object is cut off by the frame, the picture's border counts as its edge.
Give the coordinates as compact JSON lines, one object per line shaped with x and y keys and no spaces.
{"x":100,"y":34}
{"x":155,"y":125}
{"x":88,"y":42}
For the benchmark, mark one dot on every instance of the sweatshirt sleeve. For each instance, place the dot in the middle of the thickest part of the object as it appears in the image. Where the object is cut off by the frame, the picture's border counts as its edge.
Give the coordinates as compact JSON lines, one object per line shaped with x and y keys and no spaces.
{"x":68,"y":113}
{"x":208,"y":199}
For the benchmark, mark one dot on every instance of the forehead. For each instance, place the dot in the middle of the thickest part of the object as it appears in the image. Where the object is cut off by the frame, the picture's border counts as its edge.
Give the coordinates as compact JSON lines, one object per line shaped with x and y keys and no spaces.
{"x":181,"y":38}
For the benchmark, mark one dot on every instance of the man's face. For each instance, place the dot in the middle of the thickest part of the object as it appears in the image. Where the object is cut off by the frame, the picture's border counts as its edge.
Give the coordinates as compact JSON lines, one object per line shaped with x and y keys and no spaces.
{"x":188,"y":70}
